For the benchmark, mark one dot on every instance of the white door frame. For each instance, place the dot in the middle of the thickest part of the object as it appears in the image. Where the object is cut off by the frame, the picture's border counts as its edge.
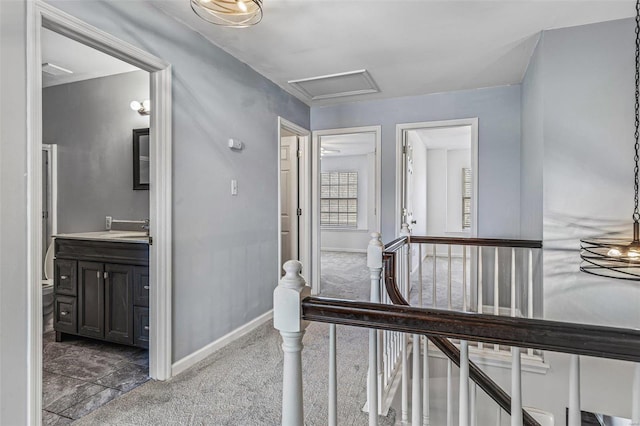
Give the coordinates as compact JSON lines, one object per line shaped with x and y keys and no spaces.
{"x":39,"y":15}
{"x":304,"y":200}
{"x":400,"y":130}
{"x":52,"y":152}
{"x":315,"y":191}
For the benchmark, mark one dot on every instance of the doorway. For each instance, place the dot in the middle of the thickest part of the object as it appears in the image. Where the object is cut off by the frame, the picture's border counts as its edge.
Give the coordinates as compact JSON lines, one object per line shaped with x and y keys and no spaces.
{"x":437,"y":183}
{"x":346,"y":192}
{"x":294,"y":206}
{"x":45,"y":17}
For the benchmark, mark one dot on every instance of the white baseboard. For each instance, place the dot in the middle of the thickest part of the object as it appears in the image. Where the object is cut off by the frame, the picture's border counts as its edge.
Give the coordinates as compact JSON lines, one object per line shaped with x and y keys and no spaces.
{"x":346,"y":250}
{"x":192,"y":359}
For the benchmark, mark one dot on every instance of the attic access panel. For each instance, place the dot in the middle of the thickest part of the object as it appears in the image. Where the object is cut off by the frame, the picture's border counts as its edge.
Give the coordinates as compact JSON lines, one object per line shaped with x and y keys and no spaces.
{"x":336,"y":85}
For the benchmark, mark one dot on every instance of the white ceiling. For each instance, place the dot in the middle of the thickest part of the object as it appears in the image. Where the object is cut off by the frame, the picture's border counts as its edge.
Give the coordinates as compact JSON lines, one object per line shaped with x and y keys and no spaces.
{"x":85,"y":62}
{"x":409,"y":46}
{"x":458,"y":137}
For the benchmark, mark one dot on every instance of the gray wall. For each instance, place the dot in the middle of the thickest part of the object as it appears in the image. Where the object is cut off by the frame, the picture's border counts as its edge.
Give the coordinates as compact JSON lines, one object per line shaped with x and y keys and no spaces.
{"x":225,"y":248}
{"x":498,"y":112}
{"x":14,"y":349}
{"x":92,"y":123}
{"x":577,"y":180}
{"x":532,"y":148}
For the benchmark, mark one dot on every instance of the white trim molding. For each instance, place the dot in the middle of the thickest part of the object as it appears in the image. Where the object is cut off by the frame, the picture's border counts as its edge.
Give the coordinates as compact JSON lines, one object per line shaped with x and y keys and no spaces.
{"x":304,"y":199}
{"x":197,"y":356}
{"x":315,"y":192}
{"x":401,"y":129}
{"x":41,"y":15}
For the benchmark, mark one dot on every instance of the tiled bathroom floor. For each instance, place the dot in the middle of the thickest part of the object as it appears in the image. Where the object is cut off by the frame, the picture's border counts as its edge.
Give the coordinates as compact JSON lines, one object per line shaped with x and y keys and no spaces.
{"x":80,"y":375}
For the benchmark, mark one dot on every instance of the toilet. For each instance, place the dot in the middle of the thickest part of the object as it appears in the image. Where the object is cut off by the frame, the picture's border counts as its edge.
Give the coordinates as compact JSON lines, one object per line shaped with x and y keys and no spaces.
{"x":47,"y":283}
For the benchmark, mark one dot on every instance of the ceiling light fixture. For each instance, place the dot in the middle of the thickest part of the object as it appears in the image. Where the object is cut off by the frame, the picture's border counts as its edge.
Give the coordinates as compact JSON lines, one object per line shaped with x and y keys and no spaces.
{"x":619,"y":258}
{"x":143,"y":108}
{"x":229,"y":13}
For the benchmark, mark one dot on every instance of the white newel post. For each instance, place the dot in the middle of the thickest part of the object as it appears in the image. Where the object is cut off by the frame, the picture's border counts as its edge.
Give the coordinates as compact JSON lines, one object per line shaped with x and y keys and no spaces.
{"x":374,"y":263}
{"x":287,"y":318}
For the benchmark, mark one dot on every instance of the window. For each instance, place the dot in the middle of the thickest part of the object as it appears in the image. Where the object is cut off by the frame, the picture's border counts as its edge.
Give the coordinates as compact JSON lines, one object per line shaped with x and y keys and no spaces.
{"x":339,"y":199}
{"x":466,"y":198}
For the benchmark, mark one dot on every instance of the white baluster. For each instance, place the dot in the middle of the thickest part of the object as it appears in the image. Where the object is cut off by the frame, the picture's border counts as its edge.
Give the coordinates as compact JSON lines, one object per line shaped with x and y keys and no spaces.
{"x":480,"y":302}
{"x":472,"y":406}
{"x":513,"y":282}
{"x":425,"y":382}
{"x":635,"y":395}
{"x":463,"y":405}
{"x":287,"y":318}
{"x":464,"y":278}
{"x":496,"y":290}
{"x":416,"y":385}
{"x":405,"y":362}
{"x":374,"y":262}
{"x":449,"y":278}
{"x":530,"y":290}
{"x":498,"y":416}
{"x":435,"y":256}
{"x":333,"y":377}
{"x":449,"y":394}
{"x":516,"y":388}
{"x":420,"y":272}
{"x":574,"y":392}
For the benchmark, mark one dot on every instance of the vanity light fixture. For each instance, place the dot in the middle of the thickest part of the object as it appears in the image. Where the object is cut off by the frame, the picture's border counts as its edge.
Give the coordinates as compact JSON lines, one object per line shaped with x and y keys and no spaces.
{"x":619,"y":258}
{"x":143,"y":108}
{"x":229,"y":13}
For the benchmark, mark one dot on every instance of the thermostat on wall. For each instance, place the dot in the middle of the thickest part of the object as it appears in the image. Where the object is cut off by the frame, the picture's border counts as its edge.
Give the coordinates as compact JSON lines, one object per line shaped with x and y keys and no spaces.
{"x":235,"y":144}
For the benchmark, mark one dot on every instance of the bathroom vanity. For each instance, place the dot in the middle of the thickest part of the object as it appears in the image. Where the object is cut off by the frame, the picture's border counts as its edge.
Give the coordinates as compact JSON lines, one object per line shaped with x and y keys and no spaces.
{"x":101,"y":286}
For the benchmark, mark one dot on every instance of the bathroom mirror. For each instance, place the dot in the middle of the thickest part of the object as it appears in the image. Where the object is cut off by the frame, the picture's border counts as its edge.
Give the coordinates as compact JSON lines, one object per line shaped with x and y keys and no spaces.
{"x":141,"y":159}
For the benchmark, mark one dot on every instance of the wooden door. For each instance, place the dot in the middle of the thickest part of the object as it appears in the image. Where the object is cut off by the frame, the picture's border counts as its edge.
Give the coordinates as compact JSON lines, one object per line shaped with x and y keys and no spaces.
{"x":289,"y":218}
{"x":118,"y":313}
{"x":91,"y":299}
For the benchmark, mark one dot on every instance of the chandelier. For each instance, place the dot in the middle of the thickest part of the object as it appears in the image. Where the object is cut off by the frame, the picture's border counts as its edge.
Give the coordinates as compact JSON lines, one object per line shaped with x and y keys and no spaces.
{"x":619,"y":258}
{"x":229,"y":13}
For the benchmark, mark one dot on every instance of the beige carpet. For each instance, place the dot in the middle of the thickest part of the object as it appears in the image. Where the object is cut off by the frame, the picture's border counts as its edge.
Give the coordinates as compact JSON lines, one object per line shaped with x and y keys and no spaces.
{"x":241,"y":384}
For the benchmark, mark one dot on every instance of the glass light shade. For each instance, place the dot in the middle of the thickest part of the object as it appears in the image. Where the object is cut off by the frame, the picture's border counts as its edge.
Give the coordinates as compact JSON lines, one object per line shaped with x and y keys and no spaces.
{"x":135,"y":105}
{"x":611,"y":258}
{"x":146,"y":105}
{"x":229,"y":13}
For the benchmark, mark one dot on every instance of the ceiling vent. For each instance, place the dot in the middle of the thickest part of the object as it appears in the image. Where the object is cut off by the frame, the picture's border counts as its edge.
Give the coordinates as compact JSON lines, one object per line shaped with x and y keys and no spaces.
{"x":52,"y":69}
{"x":336,"y":85}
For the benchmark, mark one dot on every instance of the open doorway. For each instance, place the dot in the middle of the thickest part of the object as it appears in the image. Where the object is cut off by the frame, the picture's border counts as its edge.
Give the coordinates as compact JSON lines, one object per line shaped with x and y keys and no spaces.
{"x":294,"y":204}
{"x":438,"y":197}
{"x":86,"y":312}
{"x":347,"y":196}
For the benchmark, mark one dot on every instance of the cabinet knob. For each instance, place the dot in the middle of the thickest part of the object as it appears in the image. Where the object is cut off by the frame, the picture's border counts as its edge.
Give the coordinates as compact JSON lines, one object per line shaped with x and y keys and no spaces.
{"x":63,"y":313}
{"x":146,"y":287}
{"x":63,"y":277}
{"x":146,"y":328}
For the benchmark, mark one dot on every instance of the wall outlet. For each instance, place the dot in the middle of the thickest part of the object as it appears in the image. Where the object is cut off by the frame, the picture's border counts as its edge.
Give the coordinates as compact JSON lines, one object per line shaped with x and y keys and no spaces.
{"x":234,"y":187}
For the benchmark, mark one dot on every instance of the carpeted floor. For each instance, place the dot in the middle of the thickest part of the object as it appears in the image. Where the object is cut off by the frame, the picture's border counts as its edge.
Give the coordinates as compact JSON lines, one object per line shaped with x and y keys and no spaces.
{"x":241,"y":384}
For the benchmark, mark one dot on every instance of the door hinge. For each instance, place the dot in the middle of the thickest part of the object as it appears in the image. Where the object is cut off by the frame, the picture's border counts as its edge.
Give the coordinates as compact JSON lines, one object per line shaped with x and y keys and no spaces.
{"x":299,"y":153}
{"x":299,"y":212}
{"x":404,"y":149}
{"x":150,"y":241}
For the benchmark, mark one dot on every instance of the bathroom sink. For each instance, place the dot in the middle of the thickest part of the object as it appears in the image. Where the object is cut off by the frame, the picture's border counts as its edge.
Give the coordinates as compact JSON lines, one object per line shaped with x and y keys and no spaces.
{"x":124,"y":234}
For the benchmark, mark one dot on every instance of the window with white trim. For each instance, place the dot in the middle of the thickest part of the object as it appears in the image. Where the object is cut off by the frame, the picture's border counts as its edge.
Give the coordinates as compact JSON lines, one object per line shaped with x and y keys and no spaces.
{"x":339,"y":199}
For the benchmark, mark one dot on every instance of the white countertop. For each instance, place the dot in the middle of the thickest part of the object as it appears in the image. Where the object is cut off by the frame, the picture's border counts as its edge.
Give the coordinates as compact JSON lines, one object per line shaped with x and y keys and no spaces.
{"x":139,"y":237}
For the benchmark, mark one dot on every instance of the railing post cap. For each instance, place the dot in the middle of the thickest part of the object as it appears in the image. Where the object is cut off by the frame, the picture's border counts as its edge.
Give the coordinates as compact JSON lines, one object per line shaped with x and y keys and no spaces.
{"x":376,"y":239}
{"x":292,"y":277}
{"x":287,"y":299}
{"x":374,"y":251}
{"x":404,"y":230}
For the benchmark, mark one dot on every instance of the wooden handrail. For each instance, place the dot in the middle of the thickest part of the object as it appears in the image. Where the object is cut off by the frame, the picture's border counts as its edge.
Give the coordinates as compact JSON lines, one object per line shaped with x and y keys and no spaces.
{"x":491,"y":388}
{"x":396,"y":244}
{"x":579,"y":339}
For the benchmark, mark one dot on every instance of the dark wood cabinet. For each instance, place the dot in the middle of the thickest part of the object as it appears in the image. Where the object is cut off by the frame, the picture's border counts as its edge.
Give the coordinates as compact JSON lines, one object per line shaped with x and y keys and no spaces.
{"x":101,"y":288}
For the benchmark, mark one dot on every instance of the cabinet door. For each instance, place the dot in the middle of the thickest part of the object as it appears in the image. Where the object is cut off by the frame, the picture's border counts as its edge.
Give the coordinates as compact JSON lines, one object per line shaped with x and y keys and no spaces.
{"x":65,"y":314}
{"x":119,"y":303}
{"x":141,"y":286}
{"x":91,"y":299}
{"x":141,"y":327}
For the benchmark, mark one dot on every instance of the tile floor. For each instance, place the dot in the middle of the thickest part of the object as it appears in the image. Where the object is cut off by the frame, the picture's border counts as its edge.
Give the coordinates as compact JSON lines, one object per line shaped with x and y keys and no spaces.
{"x":80,"y":375}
